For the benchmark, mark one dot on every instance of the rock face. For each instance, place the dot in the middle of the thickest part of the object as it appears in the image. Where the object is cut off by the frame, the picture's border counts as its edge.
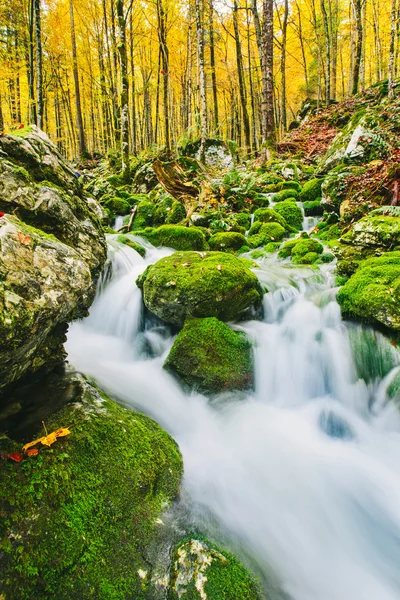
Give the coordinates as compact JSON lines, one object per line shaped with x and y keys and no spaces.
{"x":76,"y":521}
{"x":51,"y":249}
{"x":208,"y":356}
{"x":201,"y":571}
{"x":200,"y":284}
{"x":372,"y":293}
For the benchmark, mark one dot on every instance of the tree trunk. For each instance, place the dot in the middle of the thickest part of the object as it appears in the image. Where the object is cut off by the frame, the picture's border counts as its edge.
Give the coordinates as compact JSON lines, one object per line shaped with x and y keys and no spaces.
{"x":393,"y":27}
{"x":79,"y":119}
{"x":212,"y":65}
{"x":162,"y":36}
{"x":267,"y":67}
{"x":202,"y":79}
{"x":124,"y":94}
{"x":242,"y":85}
{"x":358,"y":46}
{"x":283,"y":64}
{"x":327,"y":53}
{"x":39,"y":64}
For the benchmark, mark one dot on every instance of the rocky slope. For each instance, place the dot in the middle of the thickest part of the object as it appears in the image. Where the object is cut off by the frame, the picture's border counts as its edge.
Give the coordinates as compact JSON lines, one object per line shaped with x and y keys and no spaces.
{"x":52,"y":248}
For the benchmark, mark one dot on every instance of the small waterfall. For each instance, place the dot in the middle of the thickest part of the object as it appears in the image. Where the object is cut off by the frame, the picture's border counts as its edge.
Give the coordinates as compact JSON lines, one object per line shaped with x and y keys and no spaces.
{"x":119,"y":221}
{"x":302,"y":473}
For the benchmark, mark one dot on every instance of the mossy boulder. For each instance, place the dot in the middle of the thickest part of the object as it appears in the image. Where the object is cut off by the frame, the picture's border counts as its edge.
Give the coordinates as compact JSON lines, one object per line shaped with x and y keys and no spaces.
{"x":350,"y":257}
{"x":202,"y":571}
{"x":145,"y":215}
{"x":311,"y":190}
{"x":302,"y":250}
{"x":313,"y":208}
{"x":285,"y":194}
{"x":118,"y":206}
{"x":76,"y":520}
{"x":267,"y":215}
{"x":200,"y":284}
{"x":229,"y":241}
{"x":208,"y":356}
{"x":175,"y":236}
{"x":375,"y":231}
{"x":128,"y":241}
{"x":176,"y":214}
{"x":291,"y":213}
{"x":267,"y":232}
{"x":372,"y":293}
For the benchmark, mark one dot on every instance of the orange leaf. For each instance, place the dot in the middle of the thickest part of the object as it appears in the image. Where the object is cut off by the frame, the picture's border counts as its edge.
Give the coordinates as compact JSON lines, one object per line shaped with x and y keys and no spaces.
{"x":63,"y":431}
{"x":24,"y":239}
{"x":49,"y":439}
{"x":17,"y":456}
{"x":33,"y":452}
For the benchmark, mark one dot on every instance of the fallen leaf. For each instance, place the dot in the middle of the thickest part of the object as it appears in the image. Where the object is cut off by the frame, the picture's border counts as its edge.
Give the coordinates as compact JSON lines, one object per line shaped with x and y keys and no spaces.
{"x":219,"y":267}
{"x":32,"y":452}
{"x":16,"y":456}
{"x":24,"y":239}
{"x":2,"y":214}
{"x":49,"y":439}
{"x":171,"y":284}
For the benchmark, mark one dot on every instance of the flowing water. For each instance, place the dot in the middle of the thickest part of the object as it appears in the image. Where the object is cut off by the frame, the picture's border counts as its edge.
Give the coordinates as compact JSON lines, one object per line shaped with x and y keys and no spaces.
{"x":304,"y":473}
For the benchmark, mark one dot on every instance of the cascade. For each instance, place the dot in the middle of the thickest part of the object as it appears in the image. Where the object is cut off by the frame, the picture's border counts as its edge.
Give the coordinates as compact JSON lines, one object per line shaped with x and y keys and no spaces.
{"x":304,"y":473}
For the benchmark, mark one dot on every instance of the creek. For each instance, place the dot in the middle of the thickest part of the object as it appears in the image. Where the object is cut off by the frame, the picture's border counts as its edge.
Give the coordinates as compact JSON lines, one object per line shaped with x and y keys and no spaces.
{"x":304,"y":472}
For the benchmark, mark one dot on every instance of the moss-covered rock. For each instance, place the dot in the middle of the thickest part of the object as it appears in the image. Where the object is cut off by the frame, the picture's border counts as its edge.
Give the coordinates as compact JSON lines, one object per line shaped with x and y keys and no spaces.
{"x":375,"y":231}
{"x":227,"y":241}
{"x":291,"y":213}
{"x":128,"y":241}
{"x":285,"y":195}
{"x":176,"y":214}
{"x":208,"y":356}
{"x":75,"y":521}
{"x":175,"y":236}
{"x":313,"y":208}
{"x":372,"y":293}
{"x":200,"y":284}
{"x":52,"y":248}
{"x":267,"y":215}
{"x":145,"y":215}
{"x":118,"y":206}
{"x":267,"y":232}
{"x":202,"y":571}
{"x":311,"y":190}
{"x":350,"y":257}
{"x":335,"y":186}
{"x":303,"y":250}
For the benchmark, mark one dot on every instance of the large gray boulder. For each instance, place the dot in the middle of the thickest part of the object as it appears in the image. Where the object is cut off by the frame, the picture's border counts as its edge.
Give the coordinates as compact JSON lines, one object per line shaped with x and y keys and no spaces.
{"x":52,"y":248}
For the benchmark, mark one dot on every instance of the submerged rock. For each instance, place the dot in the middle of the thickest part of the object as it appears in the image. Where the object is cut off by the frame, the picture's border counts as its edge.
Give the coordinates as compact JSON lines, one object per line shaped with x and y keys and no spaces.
{"x":208,"y":356}
{"x":75,"y":521}
{"x":51,"y":250}
{"x":372,"y":293}
{"x":202,"y":571}
{"x":200,"y":284}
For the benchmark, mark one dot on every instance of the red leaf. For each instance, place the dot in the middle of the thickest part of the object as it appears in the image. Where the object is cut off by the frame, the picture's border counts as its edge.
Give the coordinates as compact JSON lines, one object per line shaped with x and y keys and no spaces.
{"x":33,"y":452}
{"x":16,"y":456}
{"x":1,"y":214}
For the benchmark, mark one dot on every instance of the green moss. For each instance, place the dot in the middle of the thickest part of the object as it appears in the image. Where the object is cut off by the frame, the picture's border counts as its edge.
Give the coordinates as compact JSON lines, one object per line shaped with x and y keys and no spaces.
{"x":272,"y":247}
{"x":208,"y":284}
{"x":176,"y":214}
{"x":202,"y":570}
{"x":145,"y":215}
{"x":244,"y":220}
{"x":227,"y":241}
{"x":372,"y":293}
{"x":268,"y":215}
{"x":117,"y":206}
{"x":24,"y":132}
{"x":208,"y":356}
{"x":127,"y":241}
{"x":291,"y":213}
{"x":268,"y":232}
{"x":303,"y":250}
{"x":375,"y":231}
{"x":311,"y":190}
{"x":326,"y":257}
{"x":373,"y":354}
{"x":285,"y":194}
{"x":290,"y":185}
{"x":313,"y":208}
{"x":308,"y":259}
{"x":393,"y":389}
{"x":175,"y":236}
{"x":287,"y":248}
{"x":76,"y":519}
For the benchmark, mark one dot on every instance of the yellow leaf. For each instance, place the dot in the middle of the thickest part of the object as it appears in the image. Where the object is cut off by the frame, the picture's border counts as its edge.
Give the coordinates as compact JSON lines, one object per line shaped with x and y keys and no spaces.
{"x":24,"y":239}
{"x":49,"y":439}
{"x":62,"y":432}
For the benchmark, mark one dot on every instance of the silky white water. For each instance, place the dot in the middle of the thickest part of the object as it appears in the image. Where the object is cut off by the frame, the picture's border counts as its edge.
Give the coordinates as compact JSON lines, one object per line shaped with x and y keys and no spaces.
{"x":304,"y":473}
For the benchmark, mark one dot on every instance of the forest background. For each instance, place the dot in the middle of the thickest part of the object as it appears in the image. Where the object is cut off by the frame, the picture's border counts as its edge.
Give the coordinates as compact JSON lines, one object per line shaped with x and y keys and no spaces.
{"x":137,"y":74}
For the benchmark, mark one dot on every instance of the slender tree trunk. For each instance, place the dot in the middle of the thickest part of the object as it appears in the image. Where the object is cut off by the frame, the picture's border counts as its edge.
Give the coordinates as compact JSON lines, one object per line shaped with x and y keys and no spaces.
{"x":39,"y":64}
{"x":79,"y":119}
{"x":242,"y":85}
{"x":162,"y":36}
{"x":283,"y":63}
{"x":327,"y":52}
{"x":212,"y":66}
{"x":358,"y":46}
{"x":202,"y":79}
{"x":31,"y":70}
{"x":303,"y":51}
{"x":393,"y":27}
{"x":267,"y":103}
{"x":124,"y":94}
{"x":1,"y":115}
{"x":134,"y":127}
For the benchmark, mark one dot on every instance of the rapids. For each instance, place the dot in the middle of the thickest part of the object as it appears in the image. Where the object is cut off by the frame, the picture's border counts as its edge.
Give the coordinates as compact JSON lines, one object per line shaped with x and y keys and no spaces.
{"x":303,"y":474}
